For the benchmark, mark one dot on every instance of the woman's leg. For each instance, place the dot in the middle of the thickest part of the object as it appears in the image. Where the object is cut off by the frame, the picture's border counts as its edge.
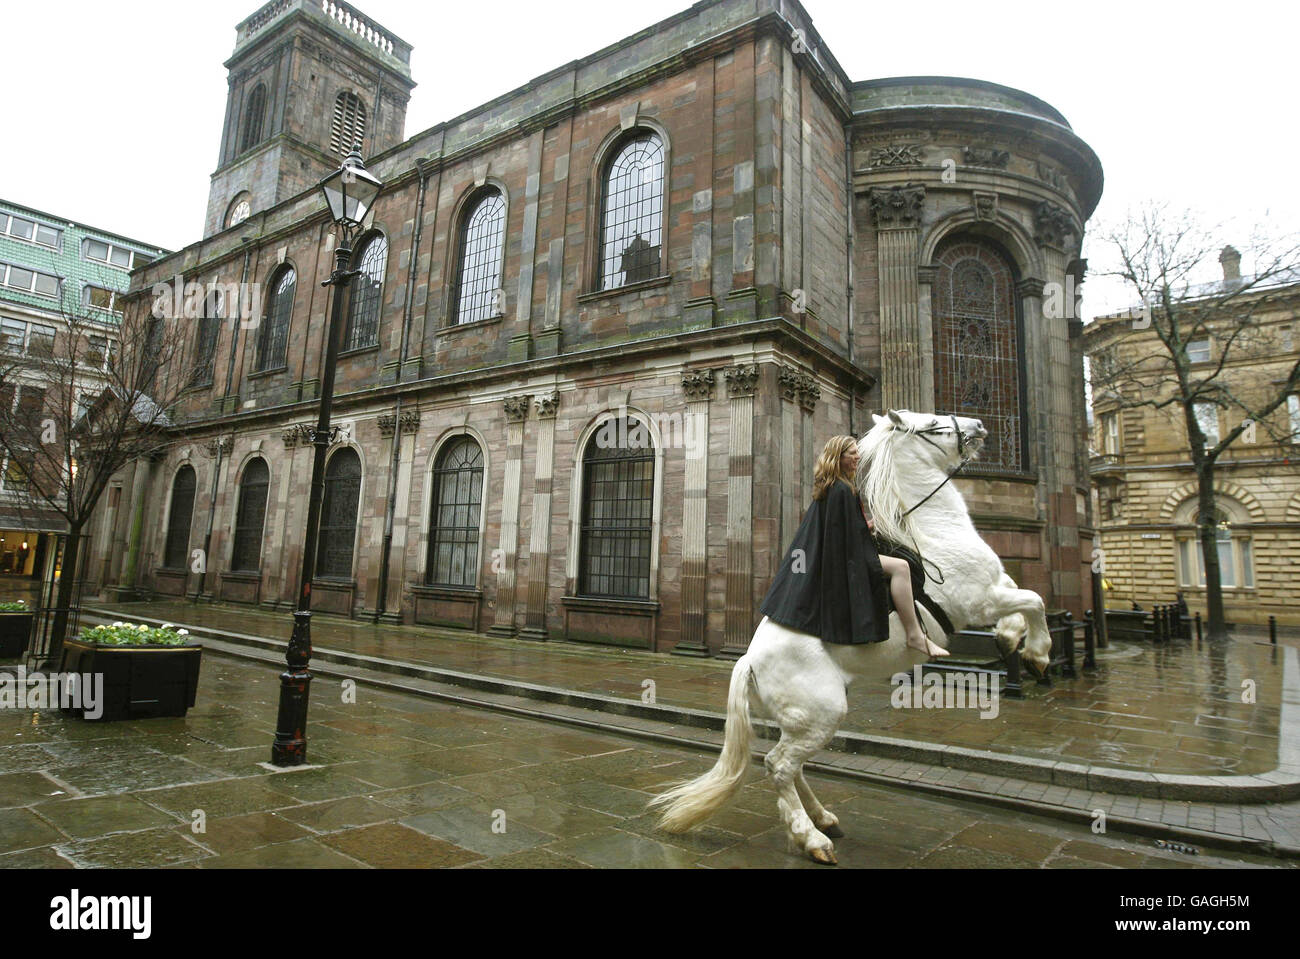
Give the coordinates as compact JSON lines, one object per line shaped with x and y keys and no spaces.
{"x":900,"y":588}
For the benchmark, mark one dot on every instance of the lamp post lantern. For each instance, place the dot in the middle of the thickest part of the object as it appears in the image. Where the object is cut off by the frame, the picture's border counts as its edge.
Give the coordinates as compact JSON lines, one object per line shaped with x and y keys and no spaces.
{"x":350,"y":193}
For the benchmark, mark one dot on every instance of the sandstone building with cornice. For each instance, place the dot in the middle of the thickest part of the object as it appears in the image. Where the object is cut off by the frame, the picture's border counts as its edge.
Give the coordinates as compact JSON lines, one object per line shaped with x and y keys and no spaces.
{"x":706,"y":232}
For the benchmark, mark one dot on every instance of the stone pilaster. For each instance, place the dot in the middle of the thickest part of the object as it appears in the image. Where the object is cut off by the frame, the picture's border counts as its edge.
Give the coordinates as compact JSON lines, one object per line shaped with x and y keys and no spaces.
{"x":906,"y":379}
{"x":697,"y":385}
{"x":516,"y":409}
{"x":141,"y":477}
{"x":742,"y":382}
{"x":539,"y":550}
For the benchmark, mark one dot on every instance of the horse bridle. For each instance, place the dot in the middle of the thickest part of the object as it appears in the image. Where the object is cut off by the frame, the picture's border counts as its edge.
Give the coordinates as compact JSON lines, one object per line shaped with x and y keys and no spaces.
{"x":961,"y":452}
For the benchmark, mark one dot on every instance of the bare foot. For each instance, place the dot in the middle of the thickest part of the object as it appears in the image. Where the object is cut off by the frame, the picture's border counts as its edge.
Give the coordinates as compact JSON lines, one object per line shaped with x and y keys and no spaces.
{"x":921,"y":643}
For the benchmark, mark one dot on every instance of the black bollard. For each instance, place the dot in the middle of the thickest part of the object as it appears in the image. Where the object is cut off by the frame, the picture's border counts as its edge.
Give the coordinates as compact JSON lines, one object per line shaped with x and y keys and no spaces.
{"x":1198,"y":629}
{"x":1272,"y":630}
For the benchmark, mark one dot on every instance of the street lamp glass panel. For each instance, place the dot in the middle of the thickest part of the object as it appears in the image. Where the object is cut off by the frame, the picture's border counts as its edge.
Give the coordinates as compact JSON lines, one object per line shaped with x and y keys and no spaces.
{"x":350,"y":191}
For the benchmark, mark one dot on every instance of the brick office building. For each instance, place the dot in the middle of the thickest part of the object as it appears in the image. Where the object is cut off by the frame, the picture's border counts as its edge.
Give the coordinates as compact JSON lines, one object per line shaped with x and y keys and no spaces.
{"x":706,"y":232}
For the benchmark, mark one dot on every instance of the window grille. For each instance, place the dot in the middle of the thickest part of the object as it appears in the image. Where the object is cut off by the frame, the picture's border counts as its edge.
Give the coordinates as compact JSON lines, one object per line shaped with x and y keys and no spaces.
{"x":338,"y":521}
{"x":367,"y":296}
{"x":454,"y":518}
{"x":480,"y":259}
{"x":632,"y":214}
{"x":617,"y":511}
{"x":274,"y":341}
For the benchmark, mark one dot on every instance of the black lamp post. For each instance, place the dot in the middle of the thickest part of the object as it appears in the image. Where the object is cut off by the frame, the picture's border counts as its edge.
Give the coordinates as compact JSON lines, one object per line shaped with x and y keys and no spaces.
{"x":350,"y":192}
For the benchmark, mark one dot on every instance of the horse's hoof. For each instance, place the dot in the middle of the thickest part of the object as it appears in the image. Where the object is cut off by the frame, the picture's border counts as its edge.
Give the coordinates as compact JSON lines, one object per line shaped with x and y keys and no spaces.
{"x":824,"y":856}
{"x":833,"y":831}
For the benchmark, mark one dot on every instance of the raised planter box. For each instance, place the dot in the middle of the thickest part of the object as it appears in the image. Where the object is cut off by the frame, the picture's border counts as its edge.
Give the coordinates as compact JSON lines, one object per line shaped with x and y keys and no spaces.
{"x":15,"y":633}
{"x":139,"y":681}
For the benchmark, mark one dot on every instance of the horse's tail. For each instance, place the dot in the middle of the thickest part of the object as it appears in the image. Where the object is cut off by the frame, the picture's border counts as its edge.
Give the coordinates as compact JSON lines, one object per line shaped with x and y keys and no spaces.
{"x":690,"y":803}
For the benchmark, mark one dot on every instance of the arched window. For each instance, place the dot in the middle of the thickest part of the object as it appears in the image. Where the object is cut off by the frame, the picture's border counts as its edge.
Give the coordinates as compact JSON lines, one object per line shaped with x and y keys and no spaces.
{"x":273,"y":343}
{"x":176,"y":553}
{"x":977,"y":355}
{"x":367,"y":294}
{"x":1236,"y":556}
{"x":349,"y":126}
{"x":338,"y":518}
{"x":632,"y":206}
{"x":205,"y":344}
{"x":454,"y":516}
{"x":240,"y":210}
{"x":482,"y":244}
{"x":246,"y":556}
{"x":254,"y":114}
{"x":618,"y":472}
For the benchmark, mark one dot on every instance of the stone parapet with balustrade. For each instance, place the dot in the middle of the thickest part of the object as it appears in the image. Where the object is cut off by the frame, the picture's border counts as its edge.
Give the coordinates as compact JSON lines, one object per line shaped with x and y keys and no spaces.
{"x":341,"y":16}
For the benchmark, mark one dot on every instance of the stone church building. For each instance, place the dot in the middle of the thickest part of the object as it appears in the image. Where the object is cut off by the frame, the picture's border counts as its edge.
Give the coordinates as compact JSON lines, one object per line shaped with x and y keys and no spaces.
{"x":603,"y":325}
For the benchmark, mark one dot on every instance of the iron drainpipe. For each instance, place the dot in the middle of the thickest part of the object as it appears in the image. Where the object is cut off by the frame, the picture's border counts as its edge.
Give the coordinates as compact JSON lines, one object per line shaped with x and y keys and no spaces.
{"x":391,"y":505}
{"x":848,"y":182}
{"x":230,"y":373}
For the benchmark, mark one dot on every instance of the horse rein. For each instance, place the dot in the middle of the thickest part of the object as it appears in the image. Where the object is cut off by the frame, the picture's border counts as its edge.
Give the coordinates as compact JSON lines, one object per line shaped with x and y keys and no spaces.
{"x":961,"y":451}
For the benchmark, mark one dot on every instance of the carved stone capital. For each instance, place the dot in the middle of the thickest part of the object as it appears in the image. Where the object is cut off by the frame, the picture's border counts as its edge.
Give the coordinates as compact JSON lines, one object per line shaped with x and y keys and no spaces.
{"x":1052,"y":177}
{"x":220,"y":445}
{"x":516,"y":408}
{"x":809,"y":391}
{"x":985,"y":204}
{"x":789,"y":380}
{"x":741,"y":380}
{"x":926,"y":275}
{"x":698,"y":384}
{"x":548,"y":404}
{"x":985,"y":156}
{"x":896,"y":154}
{"x":1052,"y":224}
{"x":1029,"y":287}
{"x":896,"y":206}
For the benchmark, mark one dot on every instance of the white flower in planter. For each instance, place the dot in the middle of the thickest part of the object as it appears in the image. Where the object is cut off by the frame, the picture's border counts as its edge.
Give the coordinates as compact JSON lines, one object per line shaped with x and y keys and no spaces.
{"x":182,"y":632}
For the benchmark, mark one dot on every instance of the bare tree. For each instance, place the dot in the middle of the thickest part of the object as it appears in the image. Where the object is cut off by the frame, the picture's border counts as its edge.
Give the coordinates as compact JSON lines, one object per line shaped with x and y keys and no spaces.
{"x":1142,"y":357}
{"x":77,"y":406}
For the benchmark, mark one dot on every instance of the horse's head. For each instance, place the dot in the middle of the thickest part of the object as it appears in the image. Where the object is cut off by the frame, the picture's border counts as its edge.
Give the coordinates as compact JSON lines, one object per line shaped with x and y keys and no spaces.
{"x":940,"y":440}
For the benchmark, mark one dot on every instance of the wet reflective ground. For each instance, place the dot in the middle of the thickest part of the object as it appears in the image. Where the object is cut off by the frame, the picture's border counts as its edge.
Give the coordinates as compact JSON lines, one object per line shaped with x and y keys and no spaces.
{"x":407,"y":782}
{"x":1168,"y":709}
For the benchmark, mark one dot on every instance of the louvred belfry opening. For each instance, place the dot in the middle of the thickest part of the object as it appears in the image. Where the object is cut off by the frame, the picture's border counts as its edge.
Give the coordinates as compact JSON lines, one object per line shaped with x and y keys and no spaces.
{"x":349,"y":126}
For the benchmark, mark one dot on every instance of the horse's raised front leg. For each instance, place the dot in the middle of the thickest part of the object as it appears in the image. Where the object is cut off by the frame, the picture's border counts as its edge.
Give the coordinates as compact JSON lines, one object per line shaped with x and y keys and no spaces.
{"x":1038,"y":641}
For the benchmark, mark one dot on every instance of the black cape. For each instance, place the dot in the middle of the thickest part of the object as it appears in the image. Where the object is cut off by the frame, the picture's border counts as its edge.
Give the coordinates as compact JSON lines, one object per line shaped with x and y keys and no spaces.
{"x":830,"y":583}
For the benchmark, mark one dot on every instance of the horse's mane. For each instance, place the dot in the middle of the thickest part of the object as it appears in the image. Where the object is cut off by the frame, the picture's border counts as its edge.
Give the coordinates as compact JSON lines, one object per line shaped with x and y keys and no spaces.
{"x":880,"y":491}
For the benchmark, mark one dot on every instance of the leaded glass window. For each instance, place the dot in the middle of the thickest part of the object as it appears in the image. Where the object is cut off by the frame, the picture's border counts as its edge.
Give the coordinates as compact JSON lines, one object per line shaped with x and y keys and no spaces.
{"x":618,"y":468}
{"x":977,"y":356}
{"x":481,"y":249}
{"x":367,"y":296}
{"x":247,"y":553}
{"x":632,"y":213}
{"x":176,"y":552}
{"x":273,"y":344}
{"x":338,"y":520}
{"x":454,"y":518}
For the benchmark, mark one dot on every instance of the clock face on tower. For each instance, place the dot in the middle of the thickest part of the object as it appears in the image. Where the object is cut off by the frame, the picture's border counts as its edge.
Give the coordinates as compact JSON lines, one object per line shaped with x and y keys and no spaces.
{"x":239,"y":213}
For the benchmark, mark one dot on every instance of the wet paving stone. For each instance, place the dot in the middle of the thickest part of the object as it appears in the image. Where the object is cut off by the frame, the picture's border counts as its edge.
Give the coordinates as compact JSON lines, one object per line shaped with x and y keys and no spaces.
{"x":471,"y":827}
{"x":1012,"y":841}
{"x":149,"y":849}
{"x":600,"y":796}
{"x":966,"y":857}
{"x":42,"y":858}
{"x":615,"y":849}
{"x":146,"y":770}
{"x":411,"y":799}
{"x":230,"y":797}
{"x":339,"y":814}
{"x":239,"y":833}
{"x":103,"y":816}
{"x":556,"y":818}
{"x":299,"y":854}
{"x":23,"y":789}
{"x":391,"y":773}
{"x":23,"y":758}
{"x":536,"y":858}
{"x":23,"y":829}
{"x":393,"y":846}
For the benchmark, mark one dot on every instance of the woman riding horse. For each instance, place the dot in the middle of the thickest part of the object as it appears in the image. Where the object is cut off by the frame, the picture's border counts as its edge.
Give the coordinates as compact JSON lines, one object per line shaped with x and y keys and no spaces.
{"x":832,"y":583}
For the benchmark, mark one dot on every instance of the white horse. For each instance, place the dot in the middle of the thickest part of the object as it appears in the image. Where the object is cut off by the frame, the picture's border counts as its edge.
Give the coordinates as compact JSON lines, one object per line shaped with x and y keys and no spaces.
{"x":799,"y":682}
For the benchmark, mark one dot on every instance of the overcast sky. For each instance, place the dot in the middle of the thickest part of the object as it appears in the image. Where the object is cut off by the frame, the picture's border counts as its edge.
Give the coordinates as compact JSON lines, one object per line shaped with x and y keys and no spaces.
{"x":115,"y":109}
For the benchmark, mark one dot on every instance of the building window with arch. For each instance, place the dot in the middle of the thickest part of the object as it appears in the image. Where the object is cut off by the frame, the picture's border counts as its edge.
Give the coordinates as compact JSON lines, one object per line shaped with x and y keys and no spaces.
{"x":457,"y":492}
{"x":254,"y":115}
{"x":240,"y":210}
{"x":338,"y":518}
{"x":618,"y":472}
{"x":1233,"y":545}
{"x":367,"y":295}
{"x":977,"y":356}
{"x":246,"y":556}
{"x":176,"y":552}
{"x":348,"y":128}
{"x":482,"y":250}
{"x":273,"y":342}
{"x":205,"y":344}
{"x":632,"y":206}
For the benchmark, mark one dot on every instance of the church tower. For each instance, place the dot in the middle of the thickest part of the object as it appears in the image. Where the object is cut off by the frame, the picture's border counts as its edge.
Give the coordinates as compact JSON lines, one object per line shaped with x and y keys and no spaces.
{"x":308,"y":79}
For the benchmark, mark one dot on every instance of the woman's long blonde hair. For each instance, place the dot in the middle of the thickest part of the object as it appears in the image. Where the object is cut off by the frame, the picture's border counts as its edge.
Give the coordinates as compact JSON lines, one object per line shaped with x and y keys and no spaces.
{"x":829,"y":468}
